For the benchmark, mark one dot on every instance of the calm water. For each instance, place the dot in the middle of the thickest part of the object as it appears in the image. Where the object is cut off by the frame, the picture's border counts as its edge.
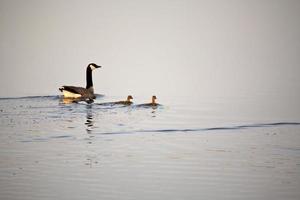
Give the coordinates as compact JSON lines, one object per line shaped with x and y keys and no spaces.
{"x":186,"y":149}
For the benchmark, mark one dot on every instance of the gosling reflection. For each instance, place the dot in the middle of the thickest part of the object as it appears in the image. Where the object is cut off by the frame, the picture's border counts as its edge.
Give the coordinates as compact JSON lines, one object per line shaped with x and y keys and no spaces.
{"x":153,"y":112}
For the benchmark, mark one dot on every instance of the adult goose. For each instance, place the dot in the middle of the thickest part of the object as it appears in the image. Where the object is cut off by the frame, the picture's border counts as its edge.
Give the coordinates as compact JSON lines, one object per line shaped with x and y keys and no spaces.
{"x":80,"y":92}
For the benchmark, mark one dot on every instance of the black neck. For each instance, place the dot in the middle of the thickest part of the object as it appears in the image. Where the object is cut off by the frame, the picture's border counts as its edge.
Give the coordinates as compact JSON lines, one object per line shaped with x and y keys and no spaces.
{"x":89,"y":79}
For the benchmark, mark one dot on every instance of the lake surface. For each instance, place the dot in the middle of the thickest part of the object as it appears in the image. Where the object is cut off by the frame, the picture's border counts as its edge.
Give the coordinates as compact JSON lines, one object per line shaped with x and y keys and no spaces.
{"x":213,"y":148}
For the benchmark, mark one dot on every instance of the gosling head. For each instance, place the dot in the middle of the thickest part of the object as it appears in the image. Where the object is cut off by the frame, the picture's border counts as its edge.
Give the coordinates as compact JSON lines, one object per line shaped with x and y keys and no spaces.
{"x":153,"y":98}
{"x":93,"y":66}
{"x":129,"y":98}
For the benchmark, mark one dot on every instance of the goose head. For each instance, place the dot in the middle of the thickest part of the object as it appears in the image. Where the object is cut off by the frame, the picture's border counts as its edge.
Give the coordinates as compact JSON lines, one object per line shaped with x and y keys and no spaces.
{"x":129,"y":98}
{"x":93,"y":66}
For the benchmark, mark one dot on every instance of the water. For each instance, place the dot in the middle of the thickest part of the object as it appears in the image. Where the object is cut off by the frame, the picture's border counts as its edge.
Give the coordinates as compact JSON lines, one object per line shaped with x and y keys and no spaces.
{"x":188,"y":148}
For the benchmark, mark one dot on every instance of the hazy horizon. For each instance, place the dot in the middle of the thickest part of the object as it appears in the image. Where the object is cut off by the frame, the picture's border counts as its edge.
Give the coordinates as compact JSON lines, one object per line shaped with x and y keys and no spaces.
{"x":189,"y":48}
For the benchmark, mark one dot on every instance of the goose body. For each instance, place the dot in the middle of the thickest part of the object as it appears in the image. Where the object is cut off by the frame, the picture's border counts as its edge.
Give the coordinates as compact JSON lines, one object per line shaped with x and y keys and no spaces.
{"x":80,"y":92}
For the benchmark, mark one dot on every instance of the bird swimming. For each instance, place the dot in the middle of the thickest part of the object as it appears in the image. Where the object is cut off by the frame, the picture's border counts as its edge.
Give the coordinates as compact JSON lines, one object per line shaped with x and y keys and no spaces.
{"x":152,"y":104}
{"x":126,"y":102}
{"x":80,"y":92}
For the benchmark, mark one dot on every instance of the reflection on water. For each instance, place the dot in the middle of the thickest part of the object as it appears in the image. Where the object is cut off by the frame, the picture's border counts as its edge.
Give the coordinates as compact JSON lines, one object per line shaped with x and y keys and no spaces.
{"x":89,"y":118}
{"x":153,"y":111}
{"x":66,"y":100}
{"x":86,"y":151}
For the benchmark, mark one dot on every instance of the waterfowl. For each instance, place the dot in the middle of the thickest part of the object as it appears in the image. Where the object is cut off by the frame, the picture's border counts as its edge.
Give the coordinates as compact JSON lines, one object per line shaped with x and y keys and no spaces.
{"x":126,"y":102}
{"x":152,"y":104}
{"x":80,"y":92}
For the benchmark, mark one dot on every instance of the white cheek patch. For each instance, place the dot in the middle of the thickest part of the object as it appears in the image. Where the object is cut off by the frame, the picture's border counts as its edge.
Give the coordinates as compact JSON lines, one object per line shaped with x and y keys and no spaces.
{"x":92,"y":67}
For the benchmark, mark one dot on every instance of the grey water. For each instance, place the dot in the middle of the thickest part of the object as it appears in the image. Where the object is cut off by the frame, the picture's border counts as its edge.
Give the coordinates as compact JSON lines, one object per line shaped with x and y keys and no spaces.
{"x":209,"y":148}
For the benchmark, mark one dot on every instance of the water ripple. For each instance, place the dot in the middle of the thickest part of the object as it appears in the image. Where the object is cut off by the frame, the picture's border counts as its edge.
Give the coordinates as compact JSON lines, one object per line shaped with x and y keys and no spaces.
{"x":209,"y":129}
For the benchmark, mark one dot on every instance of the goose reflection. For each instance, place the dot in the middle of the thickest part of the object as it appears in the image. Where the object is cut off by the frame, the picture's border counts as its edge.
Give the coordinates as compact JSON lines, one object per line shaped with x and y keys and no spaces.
{"x":64,"y":100}
{"x":89,"y":119}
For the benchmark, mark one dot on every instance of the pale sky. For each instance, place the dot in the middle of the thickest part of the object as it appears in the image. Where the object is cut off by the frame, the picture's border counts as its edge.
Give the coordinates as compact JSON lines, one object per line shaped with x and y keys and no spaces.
{"x":162,"y":47}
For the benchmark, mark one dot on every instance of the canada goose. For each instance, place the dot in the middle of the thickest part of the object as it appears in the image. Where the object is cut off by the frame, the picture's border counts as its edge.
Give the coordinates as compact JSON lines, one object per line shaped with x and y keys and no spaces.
{"x":80,"y":92}
{"x":126,"y":102}
{"x":152,"y":104}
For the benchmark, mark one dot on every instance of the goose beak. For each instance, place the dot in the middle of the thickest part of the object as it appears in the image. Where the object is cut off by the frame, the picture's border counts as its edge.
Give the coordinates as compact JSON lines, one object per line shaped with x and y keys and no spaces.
{"x":98,"y":66}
